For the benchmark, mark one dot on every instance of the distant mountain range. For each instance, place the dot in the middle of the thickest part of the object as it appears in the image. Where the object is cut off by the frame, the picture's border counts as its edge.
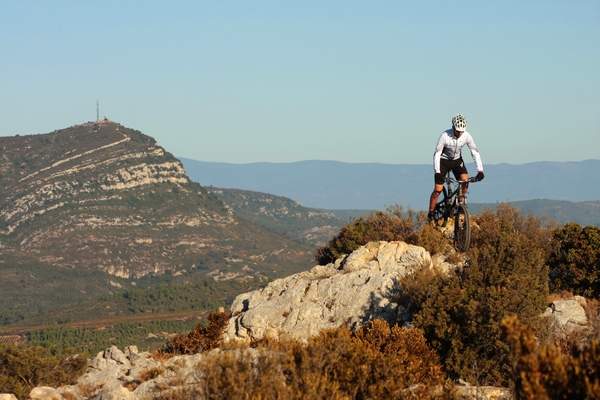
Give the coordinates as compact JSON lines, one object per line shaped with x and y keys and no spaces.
{"x":336,"y":185}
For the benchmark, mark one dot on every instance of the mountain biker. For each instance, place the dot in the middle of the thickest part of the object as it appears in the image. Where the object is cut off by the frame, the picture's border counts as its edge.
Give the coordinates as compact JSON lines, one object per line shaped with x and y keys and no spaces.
{"x":448,"y":157}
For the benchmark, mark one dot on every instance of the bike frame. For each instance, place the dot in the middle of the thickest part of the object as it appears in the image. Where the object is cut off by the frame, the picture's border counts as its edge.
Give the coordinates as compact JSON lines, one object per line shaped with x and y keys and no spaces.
{"x":449,"y":206}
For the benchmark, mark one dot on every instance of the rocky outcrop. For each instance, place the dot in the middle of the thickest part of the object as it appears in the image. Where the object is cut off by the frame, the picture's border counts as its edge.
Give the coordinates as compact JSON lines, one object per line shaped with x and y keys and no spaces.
{"x":355,"y":289}
{"x":351,"y":291}
{"x":128,"y":374}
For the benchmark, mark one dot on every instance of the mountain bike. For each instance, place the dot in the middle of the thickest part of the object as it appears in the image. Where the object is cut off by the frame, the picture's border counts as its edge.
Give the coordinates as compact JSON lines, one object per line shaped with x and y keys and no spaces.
{"x":450,"y":206}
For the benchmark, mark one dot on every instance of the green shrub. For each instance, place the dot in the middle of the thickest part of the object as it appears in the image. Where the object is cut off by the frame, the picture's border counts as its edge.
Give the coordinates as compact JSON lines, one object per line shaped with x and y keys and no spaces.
{"x":22,"y":368}
{"x":461,"y":313}
{"x":574,"y":260}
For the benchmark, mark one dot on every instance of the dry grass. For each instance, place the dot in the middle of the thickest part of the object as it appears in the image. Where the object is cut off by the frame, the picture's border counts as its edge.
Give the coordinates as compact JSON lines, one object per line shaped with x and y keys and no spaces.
{"x":564,"y":295}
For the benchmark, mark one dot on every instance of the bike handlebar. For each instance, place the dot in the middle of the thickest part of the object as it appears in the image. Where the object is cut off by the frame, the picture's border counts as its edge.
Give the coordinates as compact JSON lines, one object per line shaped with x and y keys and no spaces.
{"x":470,"y":180}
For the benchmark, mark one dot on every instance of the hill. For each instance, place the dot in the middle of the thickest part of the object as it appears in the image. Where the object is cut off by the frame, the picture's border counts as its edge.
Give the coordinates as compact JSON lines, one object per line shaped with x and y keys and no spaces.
{"x":373,"y":186}
{"x":286,"y":216}
{"x":98,"y":208}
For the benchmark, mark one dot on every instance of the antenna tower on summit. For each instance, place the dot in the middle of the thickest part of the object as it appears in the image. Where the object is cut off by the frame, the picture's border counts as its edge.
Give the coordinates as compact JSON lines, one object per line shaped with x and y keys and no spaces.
{"x":97,"y":110}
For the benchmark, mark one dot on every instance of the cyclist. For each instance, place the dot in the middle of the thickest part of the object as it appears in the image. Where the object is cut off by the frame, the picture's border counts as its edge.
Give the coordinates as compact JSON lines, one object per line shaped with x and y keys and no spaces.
{"x":448,"y":157}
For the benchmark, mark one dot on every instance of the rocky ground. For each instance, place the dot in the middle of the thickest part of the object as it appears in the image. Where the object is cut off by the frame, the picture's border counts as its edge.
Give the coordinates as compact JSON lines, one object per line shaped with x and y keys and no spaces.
{"x":353,"y":290}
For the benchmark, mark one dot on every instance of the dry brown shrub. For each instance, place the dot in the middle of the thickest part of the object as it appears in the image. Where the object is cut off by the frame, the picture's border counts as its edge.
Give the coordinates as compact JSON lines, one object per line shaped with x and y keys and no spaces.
{"x":24,"y":367}
{"x":419,"y":286}
{"x":150,"y":373}
{"x":88,"y":390}
{"x":374,"y":362}
{"x":560,"y":296}
{"x":201,"y":338}
{"x":69,"y":396}
{"x":433,"y":240}
{"x":547,"y":373}
{"x":592,"y":310}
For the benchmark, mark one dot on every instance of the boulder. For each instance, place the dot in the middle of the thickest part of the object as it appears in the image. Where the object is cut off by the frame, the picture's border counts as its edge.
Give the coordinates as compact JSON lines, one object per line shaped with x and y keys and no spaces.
{"x":353,"y":290}
{"x":45,"y":393}
{"x":484,"y":393}
{"x":568,"y":315}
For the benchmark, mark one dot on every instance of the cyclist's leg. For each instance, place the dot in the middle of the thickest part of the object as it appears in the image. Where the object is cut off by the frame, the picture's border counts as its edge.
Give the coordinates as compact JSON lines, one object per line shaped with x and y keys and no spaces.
{"x":433,"y":199}
{"x":438,"y":186}
{"x":460,"y":173}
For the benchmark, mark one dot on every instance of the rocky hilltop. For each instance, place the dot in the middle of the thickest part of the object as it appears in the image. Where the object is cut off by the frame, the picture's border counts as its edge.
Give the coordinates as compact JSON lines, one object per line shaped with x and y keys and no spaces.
{"x":351,"y":291}
{"x":103,"y":198}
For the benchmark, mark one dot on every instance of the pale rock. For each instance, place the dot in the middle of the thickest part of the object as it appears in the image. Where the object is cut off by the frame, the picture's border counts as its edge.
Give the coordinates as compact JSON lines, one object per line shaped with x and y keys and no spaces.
{"x":113,"y":353}
{"x":71,"y":393}
{"x":361,"y":287}
{"x":129,"y":350}
{"x":113,"y":390}
{"x":484,"y":393}
{"x":568,"y":314}
{"x":7,"y":396}
{"x":151,"y":389}
{"x":45,"y":393}
{"x":100,"y":363}
{"x":102,"y":377}
{"x":143,"y":361}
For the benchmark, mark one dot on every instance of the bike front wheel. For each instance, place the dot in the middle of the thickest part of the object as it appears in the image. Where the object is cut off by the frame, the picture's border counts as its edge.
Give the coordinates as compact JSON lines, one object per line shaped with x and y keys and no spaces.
{"x":462,"y":228}
{"x":442,"y":211}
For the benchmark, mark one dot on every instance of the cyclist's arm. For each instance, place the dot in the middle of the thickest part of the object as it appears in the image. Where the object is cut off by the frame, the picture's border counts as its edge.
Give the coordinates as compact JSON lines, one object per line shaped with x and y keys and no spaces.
{"x":439,"y":149}
{"x":475,"y":154}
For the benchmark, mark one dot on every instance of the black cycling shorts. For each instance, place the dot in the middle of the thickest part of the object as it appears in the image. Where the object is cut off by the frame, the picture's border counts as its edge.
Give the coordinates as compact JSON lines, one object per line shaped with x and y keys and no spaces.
{"x":456,"y":166}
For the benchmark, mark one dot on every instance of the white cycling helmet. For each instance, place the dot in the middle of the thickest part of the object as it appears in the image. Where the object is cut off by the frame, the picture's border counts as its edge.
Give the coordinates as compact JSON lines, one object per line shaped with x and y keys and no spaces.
{"x":459,"y":123}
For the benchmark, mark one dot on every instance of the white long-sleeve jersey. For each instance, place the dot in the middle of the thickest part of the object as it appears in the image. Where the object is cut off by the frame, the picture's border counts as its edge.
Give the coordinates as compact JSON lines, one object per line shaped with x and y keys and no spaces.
{"x":450,"y":147}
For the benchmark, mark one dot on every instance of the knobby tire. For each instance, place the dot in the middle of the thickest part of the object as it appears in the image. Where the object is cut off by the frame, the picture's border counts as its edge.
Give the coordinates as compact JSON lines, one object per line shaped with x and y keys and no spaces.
{"x":462,"y":228}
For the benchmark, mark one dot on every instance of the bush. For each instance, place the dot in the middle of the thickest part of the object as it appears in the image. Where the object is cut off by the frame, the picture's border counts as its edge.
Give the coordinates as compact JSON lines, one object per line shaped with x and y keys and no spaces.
{"x":201,"y":338}
{"x":574,"y":260}
{"x":22,"y":368}
{"x":461,"y":313}
{"x":434,"y":241}
{"x":375,"y":362}
{"x":392,"y":225}
{"x":545,"y":373}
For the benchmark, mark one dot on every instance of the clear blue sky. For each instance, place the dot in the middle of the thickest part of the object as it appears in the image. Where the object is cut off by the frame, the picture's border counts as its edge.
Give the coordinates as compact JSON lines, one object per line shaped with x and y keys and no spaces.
{"x":285,"y":81}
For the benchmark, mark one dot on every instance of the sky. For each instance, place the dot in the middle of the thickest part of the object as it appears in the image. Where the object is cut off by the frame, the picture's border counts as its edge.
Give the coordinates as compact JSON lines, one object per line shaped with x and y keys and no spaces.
{"x":286,"y":81}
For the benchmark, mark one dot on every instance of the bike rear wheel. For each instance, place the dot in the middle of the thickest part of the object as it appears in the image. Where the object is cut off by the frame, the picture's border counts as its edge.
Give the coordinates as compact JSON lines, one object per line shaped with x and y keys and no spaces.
{"x":462,"y":228}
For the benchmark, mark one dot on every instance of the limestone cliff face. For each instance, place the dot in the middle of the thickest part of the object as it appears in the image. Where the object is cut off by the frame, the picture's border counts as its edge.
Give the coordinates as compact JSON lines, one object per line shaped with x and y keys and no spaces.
{"x":104,"y":197}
